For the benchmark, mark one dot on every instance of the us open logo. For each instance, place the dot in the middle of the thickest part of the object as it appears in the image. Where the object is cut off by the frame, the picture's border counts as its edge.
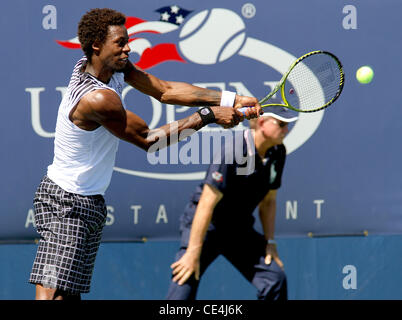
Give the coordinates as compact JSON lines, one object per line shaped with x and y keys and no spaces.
{"x":206,"y":41}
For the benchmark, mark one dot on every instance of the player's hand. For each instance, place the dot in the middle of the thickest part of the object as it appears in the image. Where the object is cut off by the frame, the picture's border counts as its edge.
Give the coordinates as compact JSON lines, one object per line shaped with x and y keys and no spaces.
{"x":271,"y":253}
{"x":183,"y":268}
{"x":227,"y":117}
{"x":254,"y":110}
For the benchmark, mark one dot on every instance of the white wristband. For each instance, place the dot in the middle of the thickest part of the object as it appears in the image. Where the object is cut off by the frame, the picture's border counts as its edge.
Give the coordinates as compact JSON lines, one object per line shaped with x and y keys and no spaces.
{"x":228,"y":98}
{"x":271,"y":241}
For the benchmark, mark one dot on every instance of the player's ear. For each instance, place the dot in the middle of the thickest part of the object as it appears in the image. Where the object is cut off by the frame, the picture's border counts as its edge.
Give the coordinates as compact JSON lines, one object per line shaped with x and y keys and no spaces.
{"x":261,"y":120}
{"x":96,"y":47}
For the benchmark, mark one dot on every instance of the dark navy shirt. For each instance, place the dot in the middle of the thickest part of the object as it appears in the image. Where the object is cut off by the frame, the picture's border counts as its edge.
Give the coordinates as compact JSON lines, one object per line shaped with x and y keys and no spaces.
{"x":243,"y":180}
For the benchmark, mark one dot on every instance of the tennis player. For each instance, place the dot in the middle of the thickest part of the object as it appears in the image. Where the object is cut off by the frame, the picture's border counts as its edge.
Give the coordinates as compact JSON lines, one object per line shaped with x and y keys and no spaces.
{"x":219,"y":220}
{"x":70,"y":210}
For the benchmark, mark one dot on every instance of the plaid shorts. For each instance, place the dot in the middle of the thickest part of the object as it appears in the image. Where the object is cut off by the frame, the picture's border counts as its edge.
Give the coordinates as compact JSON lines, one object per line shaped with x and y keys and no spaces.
{"x":70,"y":228}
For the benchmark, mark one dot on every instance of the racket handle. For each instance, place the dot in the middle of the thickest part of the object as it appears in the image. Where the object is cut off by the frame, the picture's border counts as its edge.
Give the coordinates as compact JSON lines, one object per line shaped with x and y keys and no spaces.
{"x":243,"y":110}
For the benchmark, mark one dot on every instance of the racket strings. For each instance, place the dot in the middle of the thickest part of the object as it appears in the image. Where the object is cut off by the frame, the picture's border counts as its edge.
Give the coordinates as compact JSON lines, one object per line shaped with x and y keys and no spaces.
{"x":313,"y":82}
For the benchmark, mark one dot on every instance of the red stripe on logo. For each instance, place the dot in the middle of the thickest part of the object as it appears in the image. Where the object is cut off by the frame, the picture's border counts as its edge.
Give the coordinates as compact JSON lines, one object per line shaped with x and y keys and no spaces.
{"x":158,"y":54}
{"x":68,"y":44}
{"x":132,"y":21}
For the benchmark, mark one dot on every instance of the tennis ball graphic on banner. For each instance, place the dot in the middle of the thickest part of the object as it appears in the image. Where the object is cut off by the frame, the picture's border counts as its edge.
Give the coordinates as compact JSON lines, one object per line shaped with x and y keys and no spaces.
{"x":212,"y":36}
{"x":364,"y":74}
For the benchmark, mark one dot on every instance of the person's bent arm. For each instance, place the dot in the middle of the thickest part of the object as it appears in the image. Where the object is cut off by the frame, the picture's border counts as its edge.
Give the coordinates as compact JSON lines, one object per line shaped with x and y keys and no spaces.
{"x":267,"y":213}
{"x":104,"y":107}
{"x":181,"y":93}
{"x":189,"y":263}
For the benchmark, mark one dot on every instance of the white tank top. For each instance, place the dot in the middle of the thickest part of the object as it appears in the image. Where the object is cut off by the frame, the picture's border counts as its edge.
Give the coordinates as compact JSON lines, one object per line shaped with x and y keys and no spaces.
{"x":83,"y":160}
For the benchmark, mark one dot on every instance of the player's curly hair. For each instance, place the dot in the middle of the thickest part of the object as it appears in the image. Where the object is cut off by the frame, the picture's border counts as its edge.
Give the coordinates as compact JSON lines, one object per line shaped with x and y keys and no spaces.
{"x":93,"y":26}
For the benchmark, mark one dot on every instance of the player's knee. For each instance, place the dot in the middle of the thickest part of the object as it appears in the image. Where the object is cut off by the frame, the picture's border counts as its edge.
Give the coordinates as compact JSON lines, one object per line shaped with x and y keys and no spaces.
{"x":43,"y":293}
{"x":273,"y":287}
{"x":281,"y":277}
{"x":181,"y":292}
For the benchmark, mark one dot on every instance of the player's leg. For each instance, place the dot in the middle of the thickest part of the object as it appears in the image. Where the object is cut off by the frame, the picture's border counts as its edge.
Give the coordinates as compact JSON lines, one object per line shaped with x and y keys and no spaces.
{"x":64,"y":222}
{"x":270,"y":281}
{"x":43,"y":293}
{"x":186,"y":291}
{"x":93,"y":210}
{"x":247,"y":254}
{"x":210,"y":251}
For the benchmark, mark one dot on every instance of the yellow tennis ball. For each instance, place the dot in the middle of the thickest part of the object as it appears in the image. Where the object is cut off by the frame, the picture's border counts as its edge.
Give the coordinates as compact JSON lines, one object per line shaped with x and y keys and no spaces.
{"x":364,"y":74}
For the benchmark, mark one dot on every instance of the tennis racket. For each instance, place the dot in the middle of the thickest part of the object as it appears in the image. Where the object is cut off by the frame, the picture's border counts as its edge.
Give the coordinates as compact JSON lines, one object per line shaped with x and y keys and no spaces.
{"x":312,"y":83}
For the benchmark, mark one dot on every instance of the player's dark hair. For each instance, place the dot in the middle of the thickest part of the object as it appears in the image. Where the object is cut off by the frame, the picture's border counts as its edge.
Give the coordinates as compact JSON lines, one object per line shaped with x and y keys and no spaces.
{"x":93,"y":26}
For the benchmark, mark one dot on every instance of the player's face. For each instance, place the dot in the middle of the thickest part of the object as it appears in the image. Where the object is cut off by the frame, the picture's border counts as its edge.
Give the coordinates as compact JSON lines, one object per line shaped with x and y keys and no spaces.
{"x":275,"y":130}
{"x":115,"y":50}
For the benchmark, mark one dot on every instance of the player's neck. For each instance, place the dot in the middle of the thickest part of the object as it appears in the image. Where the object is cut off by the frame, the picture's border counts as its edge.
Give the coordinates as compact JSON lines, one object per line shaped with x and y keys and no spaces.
{"x":262,"y":144}
{"x":99,"y":71}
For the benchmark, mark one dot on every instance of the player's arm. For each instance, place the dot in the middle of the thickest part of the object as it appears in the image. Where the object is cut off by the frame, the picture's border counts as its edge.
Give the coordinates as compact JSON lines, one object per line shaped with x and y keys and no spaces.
{"x":267,"y":213}
{"x":181,"y":93}
{"x":104,"y":107}
{"x":189,"y":263}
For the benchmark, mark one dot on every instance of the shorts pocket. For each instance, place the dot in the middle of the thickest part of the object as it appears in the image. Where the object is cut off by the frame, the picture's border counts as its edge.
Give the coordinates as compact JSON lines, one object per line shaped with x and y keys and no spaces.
{"x":67,"y":204}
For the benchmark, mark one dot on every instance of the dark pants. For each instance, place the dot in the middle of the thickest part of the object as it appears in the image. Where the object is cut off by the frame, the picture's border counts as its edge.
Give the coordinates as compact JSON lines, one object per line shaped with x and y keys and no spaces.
{"x":246,"y":252}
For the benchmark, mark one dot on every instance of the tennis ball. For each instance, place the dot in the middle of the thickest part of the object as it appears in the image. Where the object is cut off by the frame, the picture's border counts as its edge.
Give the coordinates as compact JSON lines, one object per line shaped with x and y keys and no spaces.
{"x":212,"y":36}
{"x":364,"y":74}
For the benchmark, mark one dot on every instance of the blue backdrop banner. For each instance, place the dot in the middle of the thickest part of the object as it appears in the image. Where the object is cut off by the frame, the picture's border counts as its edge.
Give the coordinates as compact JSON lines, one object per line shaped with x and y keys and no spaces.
{"x":341,"y":176}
